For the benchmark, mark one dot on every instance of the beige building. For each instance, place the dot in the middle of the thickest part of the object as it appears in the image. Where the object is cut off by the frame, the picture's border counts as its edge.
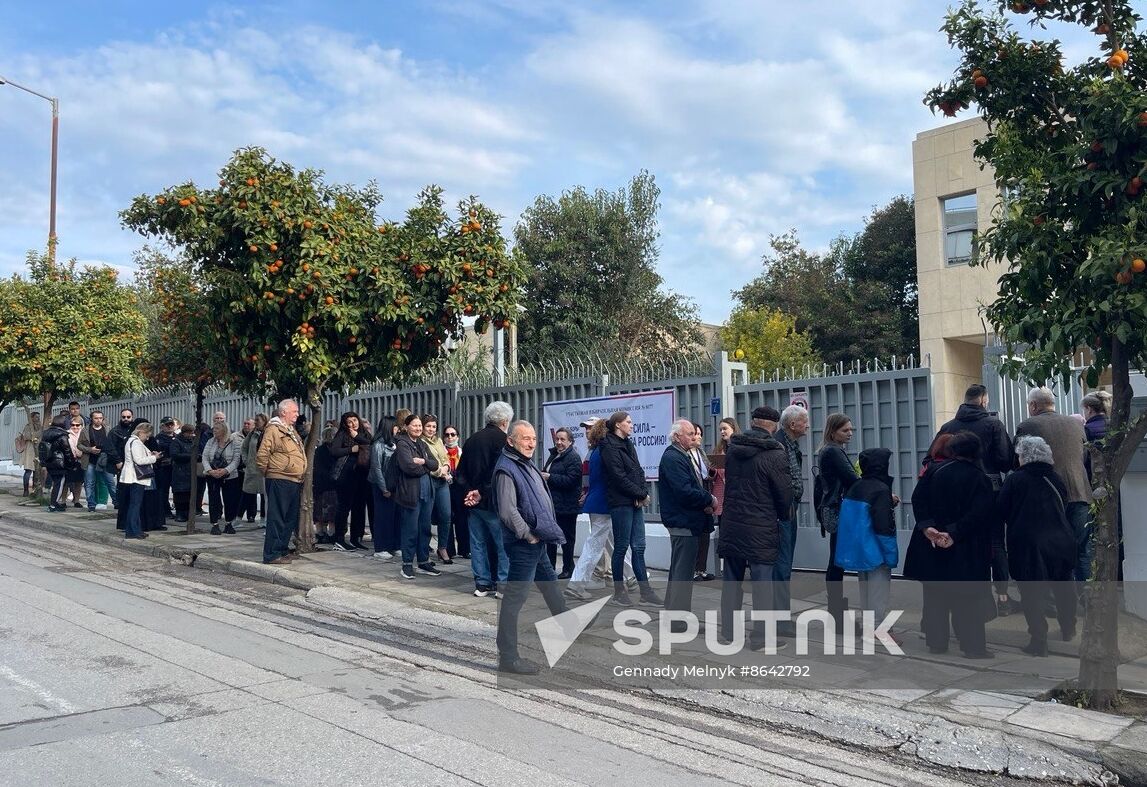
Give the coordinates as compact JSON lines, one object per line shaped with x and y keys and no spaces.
{"x":954,"y":197}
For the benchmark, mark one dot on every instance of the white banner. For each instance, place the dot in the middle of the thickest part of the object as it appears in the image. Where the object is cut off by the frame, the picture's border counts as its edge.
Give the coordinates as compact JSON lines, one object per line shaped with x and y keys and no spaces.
{"x":653,"y":414}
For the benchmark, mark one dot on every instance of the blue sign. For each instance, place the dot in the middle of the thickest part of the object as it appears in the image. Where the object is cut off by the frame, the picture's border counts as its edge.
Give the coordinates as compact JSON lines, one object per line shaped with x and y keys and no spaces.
{"x":715,"y":405}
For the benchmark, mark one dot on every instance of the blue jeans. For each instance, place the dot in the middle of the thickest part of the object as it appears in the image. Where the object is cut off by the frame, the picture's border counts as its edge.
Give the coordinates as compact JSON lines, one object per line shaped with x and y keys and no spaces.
{"x":783,"y":568}
{"x":384,"y":525}
{"x":90,"y":485}
{"x":486,"y":539}
{"x":732,"y":594}
{"x":133,"y":493}
{"x":1079,"y":517}
{"x":440,"y":510}
{"x":414,"y":528}
{"x":282,"y":516}
{"x":527,"y":563}
{"x":628,"y":534}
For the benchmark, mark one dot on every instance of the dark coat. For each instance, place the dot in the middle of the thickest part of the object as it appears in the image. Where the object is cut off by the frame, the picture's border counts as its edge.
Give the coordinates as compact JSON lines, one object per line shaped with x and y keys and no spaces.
{"x":409,"y":473}
{"x":956,"y":498}
{"x":996,"y":456}
{"x":180,"y":451}
{"x":113,"y":446}
{"x":682,"y":497}
{"x":1041,"y":545}
{"x":758,"y":491}
{"x":60,"y":459}
{"x":354,"y":469}
{"x":565,"y":480}
{"x":624,"y":476}
{"x":476,"y":469}
{"x":836,"y":475}
{"x":321,"y":478}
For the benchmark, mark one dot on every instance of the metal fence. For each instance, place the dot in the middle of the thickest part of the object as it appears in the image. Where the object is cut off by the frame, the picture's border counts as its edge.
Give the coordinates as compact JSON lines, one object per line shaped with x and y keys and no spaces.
{"x":890,"y":409}
{"x":1009,"y":396}
{"x":890,"y":406}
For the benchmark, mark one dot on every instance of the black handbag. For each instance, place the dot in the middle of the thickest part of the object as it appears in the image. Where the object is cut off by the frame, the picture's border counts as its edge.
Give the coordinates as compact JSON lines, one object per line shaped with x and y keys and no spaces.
{"x":338,"y":466}
{"x":144,"y":471}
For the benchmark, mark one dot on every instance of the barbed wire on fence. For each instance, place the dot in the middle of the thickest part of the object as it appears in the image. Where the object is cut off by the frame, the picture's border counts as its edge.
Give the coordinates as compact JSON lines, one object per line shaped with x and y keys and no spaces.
{"x":859,"y":366}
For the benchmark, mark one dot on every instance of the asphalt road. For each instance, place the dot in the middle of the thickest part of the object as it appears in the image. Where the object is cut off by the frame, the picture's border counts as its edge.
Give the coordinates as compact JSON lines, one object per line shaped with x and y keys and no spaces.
{"x":118,"y":669}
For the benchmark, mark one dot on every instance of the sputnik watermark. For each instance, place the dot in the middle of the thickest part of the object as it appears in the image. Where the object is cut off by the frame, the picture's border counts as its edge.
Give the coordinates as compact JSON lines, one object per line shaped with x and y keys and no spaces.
{"x":637,"y":640}
{"x":859,"y":633}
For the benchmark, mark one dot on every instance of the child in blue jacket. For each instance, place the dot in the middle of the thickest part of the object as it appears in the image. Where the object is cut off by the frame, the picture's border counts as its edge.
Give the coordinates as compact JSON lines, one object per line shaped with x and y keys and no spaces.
{"x":866,"y":536}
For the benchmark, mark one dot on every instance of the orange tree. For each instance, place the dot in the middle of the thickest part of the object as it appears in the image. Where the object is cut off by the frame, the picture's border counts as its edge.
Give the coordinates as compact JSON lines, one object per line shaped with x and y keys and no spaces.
{"x":179,"y":351}
{"x":1069,"y":147}
{"x":66,"y":329}
{"x":305,"y":290}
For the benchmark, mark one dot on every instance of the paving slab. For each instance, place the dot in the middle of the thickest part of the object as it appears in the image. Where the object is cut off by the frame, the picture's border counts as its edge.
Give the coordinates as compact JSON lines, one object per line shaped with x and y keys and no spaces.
{"x":1071,"y":722}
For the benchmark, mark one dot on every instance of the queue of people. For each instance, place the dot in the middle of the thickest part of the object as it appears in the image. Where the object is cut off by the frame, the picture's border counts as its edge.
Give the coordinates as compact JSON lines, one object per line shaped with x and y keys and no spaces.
{"x":989,"y":510}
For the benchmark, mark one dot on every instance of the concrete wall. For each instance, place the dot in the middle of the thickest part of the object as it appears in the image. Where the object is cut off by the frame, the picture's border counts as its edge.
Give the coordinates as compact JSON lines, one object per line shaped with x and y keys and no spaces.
{"x":951,"y":296}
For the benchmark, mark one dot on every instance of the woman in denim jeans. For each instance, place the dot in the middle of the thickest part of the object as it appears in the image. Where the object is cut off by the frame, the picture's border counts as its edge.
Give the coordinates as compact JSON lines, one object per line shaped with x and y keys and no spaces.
{"x":411,"y":495}
{"x":627,"y":494}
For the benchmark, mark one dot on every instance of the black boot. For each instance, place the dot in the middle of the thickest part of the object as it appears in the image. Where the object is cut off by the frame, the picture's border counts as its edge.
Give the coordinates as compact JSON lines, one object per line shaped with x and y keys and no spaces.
{"x":1036,"y":647}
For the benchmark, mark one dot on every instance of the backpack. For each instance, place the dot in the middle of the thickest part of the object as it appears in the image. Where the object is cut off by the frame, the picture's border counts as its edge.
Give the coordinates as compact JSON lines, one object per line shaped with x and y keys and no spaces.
{"x":44,"y":453}
{"x":390,"y":475}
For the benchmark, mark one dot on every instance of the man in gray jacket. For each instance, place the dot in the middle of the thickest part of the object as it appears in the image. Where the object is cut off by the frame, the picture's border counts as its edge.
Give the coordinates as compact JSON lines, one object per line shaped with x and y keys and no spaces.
{"x":794,"y":426}
{"x":1066,"y":437}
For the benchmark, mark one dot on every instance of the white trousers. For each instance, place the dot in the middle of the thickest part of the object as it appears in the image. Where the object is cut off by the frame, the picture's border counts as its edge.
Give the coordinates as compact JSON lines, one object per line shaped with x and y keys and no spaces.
{"x":600,"y":540}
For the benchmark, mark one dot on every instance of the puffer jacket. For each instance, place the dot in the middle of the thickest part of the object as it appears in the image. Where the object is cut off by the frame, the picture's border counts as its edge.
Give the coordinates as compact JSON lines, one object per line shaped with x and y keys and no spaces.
{"x":624,"y":476}
{"x":866,"y":537}
{"x":758,"y":491}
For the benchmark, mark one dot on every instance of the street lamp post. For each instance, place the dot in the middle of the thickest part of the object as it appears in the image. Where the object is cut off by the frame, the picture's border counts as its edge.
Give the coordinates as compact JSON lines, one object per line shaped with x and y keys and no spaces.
{"x":55,"y":102}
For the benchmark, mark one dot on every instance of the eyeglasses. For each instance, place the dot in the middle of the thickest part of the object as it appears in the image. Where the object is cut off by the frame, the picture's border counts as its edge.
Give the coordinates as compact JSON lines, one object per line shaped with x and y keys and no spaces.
{"x":80,"y":423}
{"x":451,"y":434}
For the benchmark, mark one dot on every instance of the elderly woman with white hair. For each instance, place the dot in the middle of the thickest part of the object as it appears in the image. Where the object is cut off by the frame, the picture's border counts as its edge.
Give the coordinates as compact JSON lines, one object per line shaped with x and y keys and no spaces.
{"x":1041,"y":545}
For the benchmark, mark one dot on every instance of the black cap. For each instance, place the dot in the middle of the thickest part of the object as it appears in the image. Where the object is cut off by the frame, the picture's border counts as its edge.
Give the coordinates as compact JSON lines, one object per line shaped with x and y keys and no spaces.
{"x":167,"y":419}
{"x":766,"y":413}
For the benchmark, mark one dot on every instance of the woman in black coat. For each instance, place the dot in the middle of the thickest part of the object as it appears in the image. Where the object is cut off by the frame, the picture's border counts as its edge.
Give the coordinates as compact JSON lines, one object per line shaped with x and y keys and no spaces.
{"x":626,"y":494}
{"x":1041,"y":545}
{"x":836,"y":476}
{"x":956,"y":498}
{"x":352,"y":441}
{"x":182,"y":452}
{"x":563,"y":477}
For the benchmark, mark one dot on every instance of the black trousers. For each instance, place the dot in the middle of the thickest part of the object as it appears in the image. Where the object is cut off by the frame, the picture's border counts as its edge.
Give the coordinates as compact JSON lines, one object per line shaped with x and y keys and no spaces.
{"x":223,"y":498}
{"x":352,"y":497}
{"x":568,"y":524}
{"x":460,"y":519}
{"x":59,"y":490}
{"x":163,"y":488}
{"x":181,"y":500}
{"x":834,"y":580}
{"x":1033,"y":599}
{"x":999,"y":567}
{"x":701,"y":564}
{"x":955,"y":606}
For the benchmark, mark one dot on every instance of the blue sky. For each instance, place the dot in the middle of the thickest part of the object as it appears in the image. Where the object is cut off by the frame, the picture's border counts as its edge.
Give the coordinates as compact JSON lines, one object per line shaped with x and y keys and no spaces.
{"x":755,"y":117}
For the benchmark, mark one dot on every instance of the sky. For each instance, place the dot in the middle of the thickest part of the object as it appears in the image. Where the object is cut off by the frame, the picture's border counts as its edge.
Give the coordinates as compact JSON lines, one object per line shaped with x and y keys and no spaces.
{"x":755,"y":117}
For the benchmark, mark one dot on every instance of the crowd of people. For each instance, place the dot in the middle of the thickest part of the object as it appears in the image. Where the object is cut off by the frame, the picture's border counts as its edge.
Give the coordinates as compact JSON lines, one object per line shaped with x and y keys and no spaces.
{"x":989,"y":510}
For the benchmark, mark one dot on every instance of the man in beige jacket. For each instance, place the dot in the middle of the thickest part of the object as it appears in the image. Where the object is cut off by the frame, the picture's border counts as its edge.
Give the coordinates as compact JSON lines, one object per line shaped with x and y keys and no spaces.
{"x":283,"y":461}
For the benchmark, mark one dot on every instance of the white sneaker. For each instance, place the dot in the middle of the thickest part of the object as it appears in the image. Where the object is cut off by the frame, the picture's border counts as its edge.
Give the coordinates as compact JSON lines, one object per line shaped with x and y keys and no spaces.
{"x":384,"y":556}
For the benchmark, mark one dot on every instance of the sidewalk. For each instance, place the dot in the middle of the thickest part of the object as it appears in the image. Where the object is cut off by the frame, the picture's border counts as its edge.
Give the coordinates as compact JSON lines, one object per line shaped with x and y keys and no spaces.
{"x":985,"y":716}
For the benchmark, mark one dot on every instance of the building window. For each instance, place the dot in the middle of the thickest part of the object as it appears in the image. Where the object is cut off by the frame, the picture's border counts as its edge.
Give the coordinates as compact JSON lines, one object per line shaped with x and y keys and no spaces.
{"x":959,"y":228}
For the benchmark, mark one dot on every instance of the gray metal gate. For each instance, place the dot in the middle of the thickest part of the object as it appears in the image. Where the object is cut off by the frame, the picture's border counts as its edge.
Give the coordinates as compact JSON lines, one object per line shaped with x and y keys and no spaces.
{"x":890,"y":408}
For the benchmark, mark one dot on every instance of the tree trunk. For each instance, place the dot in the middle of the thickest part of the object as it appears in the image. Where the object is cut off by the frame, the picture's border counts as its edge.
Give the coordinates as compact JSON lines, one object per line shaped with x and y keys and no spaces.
{"x":196,"y":460}
{"x":1099,"y":649}
{"x":45,"y":421}
{"x":305,"y":534}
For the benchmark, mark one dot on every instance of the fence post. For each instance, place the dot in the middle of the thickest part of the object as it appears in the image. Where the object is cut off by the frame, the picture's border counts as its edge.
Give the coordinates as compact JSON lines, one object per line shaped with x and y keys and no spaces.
{"x":729,"y":374}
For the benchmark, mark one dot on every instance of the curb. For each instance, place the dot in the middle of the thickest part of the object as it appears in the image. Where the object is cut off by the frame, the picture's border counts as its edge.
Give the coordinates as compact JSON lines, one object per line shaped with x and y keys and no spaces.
{"x":979,"y":749}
